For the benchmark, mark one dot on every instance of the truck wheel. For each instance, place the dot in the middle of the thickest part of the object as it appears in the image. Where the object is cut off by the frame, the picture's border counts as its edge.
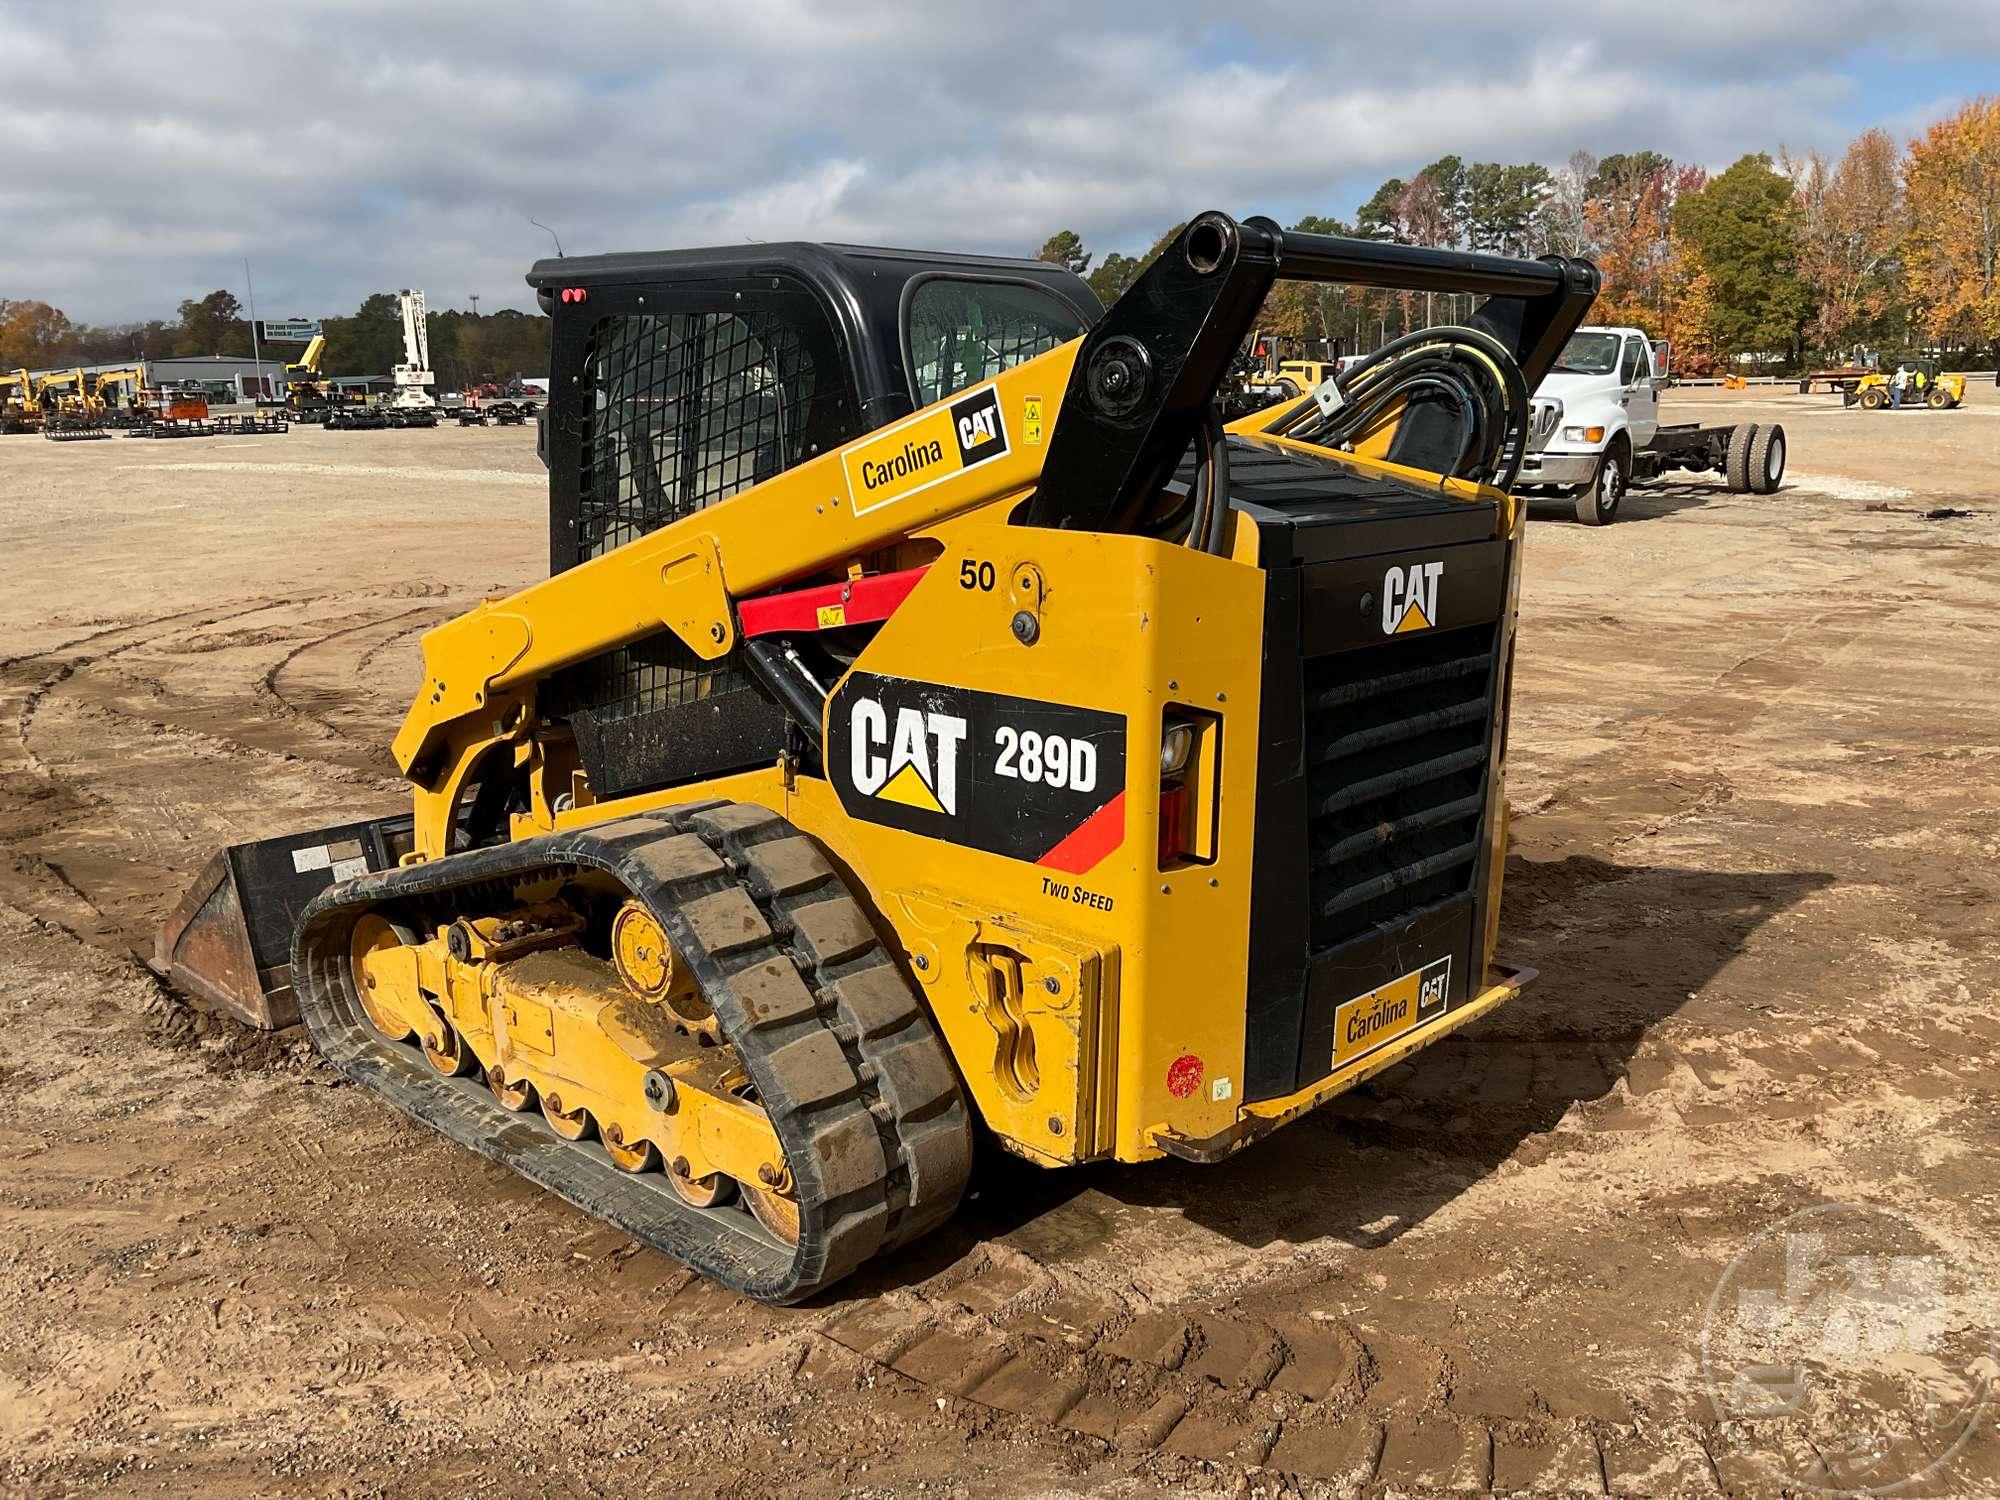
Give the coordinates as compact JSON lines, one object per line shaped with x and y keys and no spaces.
{"x":1874,"y":400}
{"x":1737,"y":464}
{"x":1597,"y":502}
{"x":1767,"y":459}
{"x":1939,"y":399}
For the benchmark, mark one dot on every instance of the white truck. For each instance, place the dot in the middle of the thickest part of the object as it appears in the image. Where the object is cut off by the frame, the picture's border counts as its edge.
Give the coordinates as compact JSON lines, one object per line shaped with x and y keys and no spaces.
{"x":1596,"y":429}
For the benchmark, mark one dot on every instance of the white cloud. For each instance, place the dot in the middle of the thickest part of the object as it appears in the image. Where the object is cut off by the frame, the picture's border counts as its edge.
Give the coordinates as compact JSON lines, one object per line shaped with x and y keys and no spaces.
{"x":349,"y":148}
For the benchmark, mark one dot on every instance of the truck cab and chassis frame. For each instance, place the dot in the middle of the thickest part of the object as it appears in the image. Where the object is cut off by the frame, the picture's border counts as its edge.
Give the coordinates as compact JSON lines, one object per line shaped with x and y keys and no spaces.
{"x":1597,"y":429}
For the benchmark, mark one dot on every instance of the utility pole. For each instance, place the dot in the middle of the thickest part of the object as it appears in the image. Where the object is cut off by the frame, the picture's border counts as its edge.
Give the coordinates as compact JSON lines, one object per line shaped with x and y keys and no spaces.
{"x":256,"y":354}
{"x":475,"y":304}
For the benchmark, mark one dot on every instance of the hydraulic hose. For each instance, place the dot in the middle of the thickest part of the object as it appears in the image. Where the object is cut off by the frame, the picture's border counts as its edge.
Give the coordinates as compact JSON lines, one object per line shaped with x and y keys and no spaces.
{"x":1209,"y":528}
{"x":1466,"y":368}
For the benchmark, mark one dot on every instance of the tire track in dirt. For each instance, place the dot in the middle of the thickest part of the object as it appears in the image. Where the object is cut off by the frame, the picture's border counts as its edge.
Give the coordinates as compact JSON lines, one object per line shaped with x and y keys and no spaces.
{"x":42,"y":886}
{"x":1290,"y":1398}
{"x":196,"y":620}
{"x":270,"y":684}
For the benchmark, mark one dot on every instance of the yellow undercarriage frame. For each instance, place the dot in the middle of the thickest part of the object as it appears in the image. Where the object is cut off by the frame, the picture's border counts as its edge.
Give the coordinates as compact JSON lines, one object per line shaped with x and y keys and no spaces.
{"x":624,"y":1052}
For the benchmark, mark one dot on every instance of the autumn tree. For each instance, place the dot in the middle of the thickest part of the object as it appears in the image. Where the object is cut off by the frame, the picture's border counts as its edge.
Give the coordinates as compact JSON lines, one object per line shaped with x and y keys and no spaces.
{"x":1628,"y":217}
{"x":1562,"y":221}
{"x":32,"y":334}
{"x":1851,"y":226}
{"x":1953,"y":249}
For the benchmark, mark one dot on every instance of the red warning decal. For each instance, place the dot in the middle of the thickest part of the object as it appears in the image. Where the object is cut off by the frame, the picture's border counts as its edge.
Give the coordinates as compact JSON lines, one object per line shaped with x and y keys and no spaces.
{"x":1184,"y":1075}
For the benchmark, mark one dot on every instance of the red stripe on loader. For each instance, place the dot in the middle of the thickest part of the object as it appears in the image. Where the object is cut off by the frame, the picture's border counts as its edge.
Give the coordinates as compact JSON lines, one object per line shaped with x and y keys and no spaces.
{"x":1087,"y":843}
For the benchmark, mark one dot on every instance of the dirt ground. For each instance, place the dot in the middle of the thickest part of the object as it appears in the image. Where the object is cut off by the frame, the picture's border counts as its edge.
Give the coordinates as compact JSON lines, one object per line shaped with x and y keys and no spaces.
{"x":1755,"y":764}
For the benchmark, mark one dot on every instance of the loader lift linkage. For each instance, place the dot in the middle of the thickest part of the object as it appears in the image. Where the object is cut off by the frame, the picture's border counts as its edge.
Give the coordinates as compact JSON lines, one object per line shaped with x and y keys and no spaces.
{"x":934,"y":715}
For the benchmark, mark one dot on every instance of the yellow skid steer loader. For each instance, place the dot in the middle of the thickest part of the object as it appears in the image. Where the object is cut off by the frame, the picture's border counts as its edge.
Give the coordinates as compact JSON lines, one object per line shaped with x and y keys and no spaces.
{"x":934,"y":718}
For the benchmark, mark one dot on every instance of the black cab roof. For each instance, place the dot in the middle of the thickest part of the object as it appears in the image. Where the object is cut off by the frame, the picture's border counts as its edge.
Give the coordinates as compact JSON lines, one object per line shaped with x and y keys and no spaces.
{"x":864,"y":288}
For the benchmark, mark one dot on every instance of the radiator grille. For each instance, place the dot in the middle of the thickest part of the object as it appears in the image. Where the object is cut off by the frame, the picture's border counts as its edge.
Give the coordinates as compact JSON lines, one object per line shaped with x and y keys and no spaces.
{"x":1397,"y":738}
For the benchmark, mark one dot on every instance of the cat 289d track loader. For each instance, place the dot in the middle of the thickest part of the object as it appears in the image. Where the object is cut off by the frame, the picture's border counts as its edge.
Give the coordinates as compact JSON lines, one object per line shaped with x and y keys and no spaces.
{"x":934,"y":716}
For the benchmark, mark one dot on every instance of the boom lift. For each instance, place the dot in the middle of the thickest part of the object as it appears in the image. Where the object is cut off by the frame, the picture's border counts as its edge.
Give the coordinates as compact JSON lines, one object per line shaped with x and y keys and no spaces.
{"x":414,"y":373}
{"x":934,"y":715}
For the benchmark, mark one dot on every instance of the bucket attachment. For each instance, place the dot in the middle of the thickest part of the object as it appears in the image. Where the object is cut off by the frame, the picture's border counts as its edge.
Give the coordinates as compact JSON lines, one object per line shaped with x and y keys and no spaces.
{"x":230,"y":939}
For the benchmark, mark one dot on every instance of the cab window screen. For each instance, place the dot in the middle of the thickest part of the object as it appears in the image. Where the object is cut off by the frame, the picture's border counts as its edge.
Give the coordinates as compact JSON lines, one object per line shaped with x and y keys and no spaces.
{"x":963,"y":332}
{"x":685,"y":410}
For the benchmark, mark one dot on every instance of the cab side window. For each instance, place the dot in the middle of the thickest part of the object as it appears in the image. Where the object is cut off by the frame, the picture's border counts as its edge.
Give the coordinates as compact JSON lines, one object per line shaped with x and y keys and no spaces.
{"x":1637,"y":364}
{"x":961,"y":332}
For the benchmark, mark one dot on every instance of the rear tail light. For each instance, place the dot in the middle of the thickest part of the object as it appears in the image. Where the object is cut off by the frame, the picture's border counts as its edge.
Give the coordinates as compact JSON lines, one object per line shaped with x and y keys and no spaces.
{"x":1190,"y":770}
{"x":1175,"y":823}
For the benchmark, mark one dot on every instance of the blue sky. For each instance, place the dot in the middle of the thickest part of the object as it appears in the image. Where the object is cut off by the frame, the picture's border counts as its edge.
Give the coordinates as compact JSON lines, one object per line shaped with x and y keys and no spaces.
{"x":372,"y":145}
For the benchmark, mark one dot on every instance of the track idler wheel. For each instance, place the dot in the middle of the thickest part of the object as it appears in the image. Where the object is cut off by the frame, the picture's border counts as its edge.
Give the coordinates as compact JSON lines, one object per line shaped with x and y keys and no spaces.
{"x":644,"y":958}
{"x":711,"y":1191}
{"x":375,"y":934}
{"x":629,"y":1156}
{"x":777,"y":1213}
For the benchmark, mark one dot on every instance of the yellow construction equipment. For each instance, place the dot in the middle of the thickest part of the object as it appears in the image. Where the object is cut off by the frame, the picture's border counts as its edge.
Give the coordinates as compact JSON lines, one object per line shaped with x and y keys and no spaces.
{"x":68,"y":393}
{"x":133,"y":404}
{"x":1913,"y":383}
{"x":934,"y":715}
{"x":1267,"y":377}
{"x":20,"y":408}
{"x":70,"y":405}
{"x":306,"y":391}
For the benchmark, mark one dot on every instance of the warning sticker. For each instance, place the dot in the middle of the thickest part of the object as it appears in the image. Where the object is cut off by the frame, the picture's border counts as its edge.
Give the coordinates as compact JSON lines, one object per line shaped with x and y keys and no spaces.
{"x":933,"y":446}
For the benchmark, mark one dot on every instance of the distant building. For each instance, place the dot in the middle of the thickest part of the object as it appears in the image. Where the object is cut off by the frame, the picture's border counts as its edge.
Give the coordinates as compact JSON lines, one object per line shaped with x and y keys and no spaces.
{"x":220,"y":377}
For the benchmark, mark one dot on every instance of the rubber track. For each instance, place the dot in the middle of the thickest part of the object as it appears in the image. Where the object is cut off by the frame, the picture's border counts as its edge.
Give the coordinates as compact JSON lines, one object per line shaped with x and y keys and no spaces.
{"x":858,"y":1086}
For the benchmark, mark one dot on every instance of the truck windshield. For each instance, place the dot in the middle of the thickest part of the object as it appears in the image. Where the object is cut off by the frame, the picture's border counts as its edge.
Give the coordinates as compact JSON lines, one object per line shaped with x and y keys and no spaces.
{"x":1589,"y":354}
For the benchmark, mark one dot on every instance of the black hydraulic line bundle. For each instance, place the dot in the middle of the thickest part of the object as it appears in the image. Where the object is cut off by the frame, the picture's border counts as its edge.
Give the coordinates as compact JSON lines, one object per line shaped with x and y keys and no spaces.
{"x":1464,"y":372}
